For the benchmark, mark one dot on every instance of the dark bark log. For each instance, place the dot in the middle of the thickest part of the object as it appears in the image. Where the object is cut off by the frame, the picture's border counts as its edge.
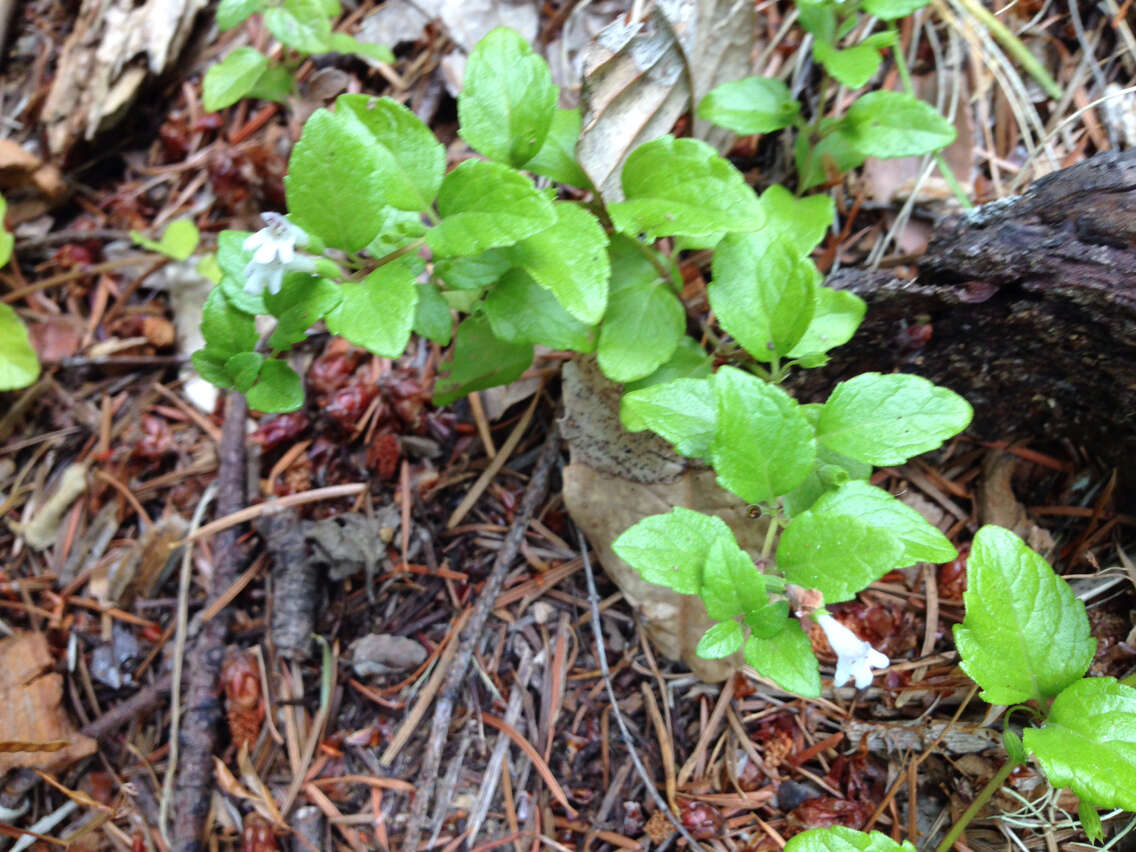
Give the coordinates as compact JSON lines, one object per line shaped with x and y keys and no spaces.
{"x":1030,"y":305}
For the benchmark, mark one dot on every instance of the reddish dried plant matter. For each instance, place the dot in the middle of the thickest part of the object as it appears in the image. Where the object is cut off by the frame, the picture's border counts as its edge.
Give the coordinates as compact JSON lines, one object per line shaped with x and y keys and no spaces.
{"x":244,"y":708}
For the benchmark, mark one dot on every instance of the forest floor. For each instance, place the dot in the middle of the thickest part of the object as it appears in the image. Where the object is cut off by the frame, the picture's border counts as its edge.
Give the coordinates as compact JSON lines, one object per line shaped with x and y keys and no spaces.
{"x":402,"y":727}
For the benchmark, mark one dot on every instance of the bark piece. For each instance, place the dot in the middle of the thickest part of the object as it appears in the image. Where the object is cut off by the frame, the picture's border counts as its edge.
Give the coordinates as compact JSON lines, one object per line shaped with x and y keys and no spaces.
{"x":1025,"y":306}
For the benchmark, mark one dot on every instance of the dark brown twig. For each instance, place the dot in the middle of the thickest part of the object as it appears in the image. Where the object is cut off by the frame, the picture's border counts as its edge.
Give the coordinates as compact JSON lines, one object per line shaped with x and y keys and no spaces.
{"x":203,"y":707}
{"x":444,"y":707}
{"x":141,"y":702}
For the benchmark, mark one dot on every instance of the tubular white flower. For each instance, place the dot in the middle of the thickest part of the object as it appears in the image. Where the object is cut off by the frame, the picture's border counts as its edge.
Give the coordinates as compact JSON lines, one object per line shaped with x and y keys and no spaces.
{"x":274,"y":254}
{"x":855,"y":658}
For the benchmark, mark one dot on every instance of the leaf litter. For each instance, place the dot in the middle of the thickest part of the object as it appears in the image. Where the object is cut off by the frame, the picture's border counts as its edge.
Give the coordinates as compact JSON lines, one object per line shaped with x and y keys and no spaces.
{"x":507,"y":699}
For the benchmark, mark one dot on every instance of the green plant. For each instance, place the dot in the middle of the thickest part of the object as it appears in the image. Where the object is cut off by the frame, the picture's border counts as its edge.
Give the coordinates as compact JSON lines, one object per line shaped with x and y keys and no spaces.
{"x":19,"y":366}
{"x":303,"y":27}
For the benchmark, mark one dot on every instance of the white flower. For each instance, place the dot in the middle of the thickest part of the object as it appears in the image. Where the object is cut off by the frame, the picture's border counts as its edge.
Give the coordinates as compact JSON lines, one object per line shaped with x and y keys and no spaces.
{"x":855,"y":658}
{"x":274,"y":254}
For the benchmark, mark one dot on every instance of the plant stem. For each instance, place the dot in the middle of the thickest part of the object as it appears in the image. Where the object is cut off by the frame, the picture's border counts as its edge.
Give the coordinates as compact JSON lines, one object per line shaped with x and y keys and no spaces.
{"x":992,"y":787}
{"x":1014,"y":47}
{"x":940,"y":160}
{"x":770,"y":534}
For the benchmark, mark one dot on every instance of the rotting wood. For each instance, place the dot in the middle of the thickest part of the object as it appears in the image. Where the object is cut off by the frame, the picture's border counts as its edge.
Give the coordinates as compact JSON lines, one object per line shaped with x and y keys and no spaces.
{"x":1025,"y":306}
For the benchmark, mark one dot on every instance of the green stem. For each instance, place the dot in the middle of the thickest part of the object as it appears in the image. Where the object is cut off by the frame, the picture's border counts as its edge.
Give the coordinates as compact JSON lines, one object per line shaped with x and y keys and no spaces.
{"x":770,"y":535}
{"x":813,"y":132}
{"x":1014,"y":47}
{"x":940,"y":160}
{"x":992,"y":787}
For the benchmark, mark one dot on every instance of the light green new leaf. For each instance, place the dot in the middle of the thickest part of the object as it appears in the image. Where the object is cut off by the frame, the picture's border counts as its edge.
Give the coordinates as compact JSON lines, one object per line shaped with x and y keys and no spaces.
{"x":507,"y":99}
{"x":570,"y":259}
{"x":887,"y":419}
{"x":763,"y":293}
{"x":890,"y":10}
{"x":278,"y":389}
{"x":233,"y":12}
{"x":682,"y":411}
{"x":298,"y":306}
{"x":399,"y":228}
{"x":877,"y":508}
{"x":731,"y":583}
{"x":243,"y":368}
{"x":671,"y":549}
{"x":343,"y":43}
{"x":836,"y":554}
{"x":521,"y":311}
{"x":301,"y":24}
{"x":853,"y":66}
{"x":752,"y":105}
{"x":432,"y":317}
{"x":1089,"y":742}
{"x":797,"y":223}
{"x":275,"y":84}
{"x":210,"y":365}
{"x":1025,"y":635}
{"x":834,"y":149}
{"x":473,"y":273}
{"x":840,"y":838}
{"x":787,"y":659}
{"x":689,"y":361}
{"x":377,"y":313}
{"x":486,"y":205}
{"x":178,"y":240}
{"x":232,"y":78}
{"x":896,"y":124}
{"x":763,"y":446}
{"x":412,"y":160}
{"x":721,"y":640}
{"x":227,"y":330}
{"x":644,"y":320}
{"x":19,"y":366}
{"x":7,"y":241}
{"x":830,"y":471}
{"x":556,"y":158}
{"x":681,"y":187}
{"x":837,"y":316}
{"x":336,"y":184}
{"x":480,"y":360}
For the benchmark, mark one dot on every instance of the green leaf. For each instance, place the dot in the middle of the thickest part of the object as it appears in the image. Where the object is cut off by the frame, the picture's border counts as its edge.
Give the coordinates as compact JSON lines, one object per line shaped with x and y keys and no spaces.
{"x":19,"y":366}
{"x":1012,"y":743}
{"x":570,"y":259}
{"x":682,"y":411}
{"x":486,"y":205}
{"x":887,"y":419}
{"x":831,"y":470}
{"x":681,"y":187}
{"x":432,"y":317}
{"x":787,"y":659}
{"x":207,"y":267}
{"x":721,"y":640}
{"x":1090,"y":821}
{"x":896,"y":124}
{"x":278,"y":389}
{"x":210,"y":365}
{"x":412,"y":161}
{"x":796,"y":223}
{"x":836,"y":554}
{"x":343,"y":43}
{"x":6,"y":238}
{"x":763,"y":293}
{"x":227,"y":329}
{"x":556,"y":159}
{"x":178,"y":240}
{"x":834,"y":148}
{"x":1025,"y":635}
{"x":818,"y":18}
{"x":299,"y":306}
{"x":399,"y":228}
{"x":232,"y":258}
{"x":671,"y":549}
{"x":507,"y":99}
{"x":301,"y":24}
{"x":644,"y":320}
{"x":232,"y":78}
{"x":763,"y":446}
{"x":839,"y":838}
{"x":473,"y":273}
{"x":877,"y":508}
{"x":243,"y":368}
{"x":521,"y":311}
{"x":838,"y":314}
{"x":731,"y":583}
{"x":752,"y":105}
{"x":689,"y":361}
{"x":275,"y":84}
{"x":853,"y":66}
{"x":890,"y":10}
{"x":233,"y":12}
{"x":1089,"y":742}
{"x":336,"y":184}
{"x":378,"y":312}
{"x":480,"y":360}
{"x":769,"y":620}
